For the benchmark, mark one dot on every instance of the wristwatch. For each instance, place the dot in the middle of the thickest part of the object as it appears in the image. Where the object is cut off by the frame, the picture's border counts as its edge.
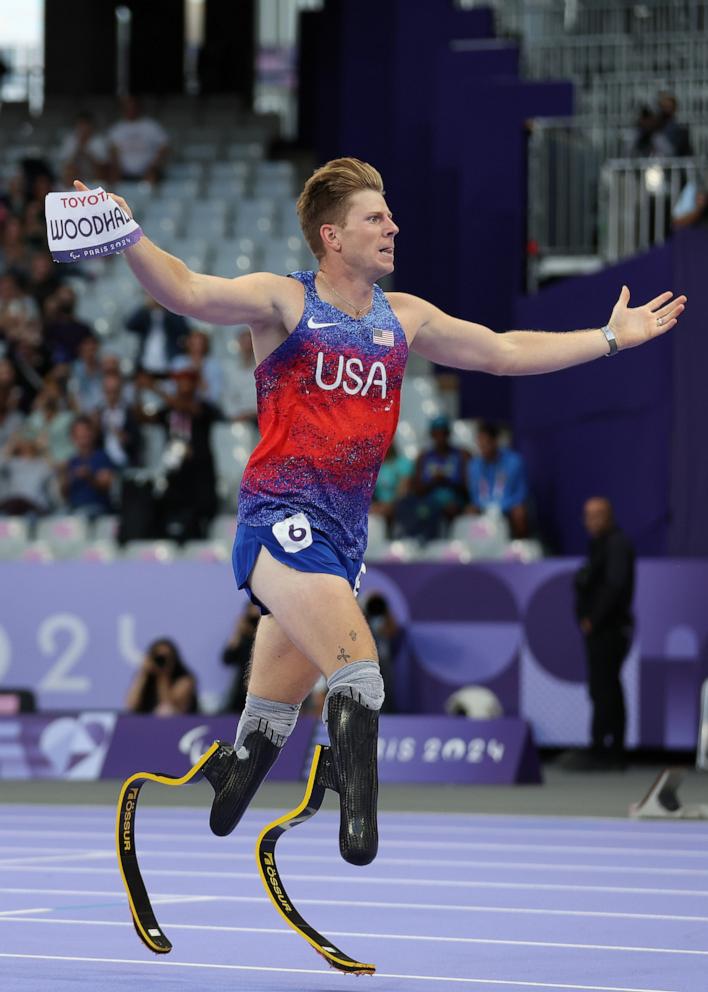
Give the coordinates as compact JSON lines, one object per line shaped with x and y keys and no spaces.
{"x":611,"y":340}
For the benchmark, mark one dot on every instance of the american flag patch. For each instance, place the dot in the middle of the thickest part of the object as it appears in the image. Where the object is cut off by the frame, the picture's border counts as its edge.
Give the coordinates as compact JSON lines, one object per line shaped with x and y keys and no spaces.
{"x":383,"y":337}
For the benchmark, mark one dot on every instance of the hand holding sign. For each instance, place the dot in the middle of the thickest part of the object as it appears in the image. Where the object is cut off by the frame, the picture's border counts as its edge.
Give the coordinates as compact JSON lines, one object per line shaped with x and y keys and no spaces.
{"x":88,"y":224}
{"x":83,"y":188}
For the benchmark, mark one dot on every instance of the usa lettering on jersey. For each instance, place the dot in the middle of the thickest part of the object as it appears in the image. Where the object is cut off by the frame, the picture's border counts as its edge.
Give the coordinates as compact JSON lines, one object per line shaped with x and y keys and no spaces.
{"x":350,"y":376}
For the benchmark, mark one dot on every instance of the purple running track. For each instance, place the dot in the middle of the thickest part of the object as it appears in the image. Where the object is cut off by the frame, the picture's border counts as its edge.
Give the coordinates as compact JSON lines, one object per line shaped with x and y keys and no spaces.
{"x":487,"y":903}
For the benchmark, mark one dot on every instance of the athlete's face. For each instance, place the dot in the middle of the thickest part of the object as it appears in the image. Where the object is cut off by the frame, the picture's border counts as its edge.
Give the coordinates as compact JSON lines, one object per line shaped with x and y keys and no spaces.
{"x":367,"y":235}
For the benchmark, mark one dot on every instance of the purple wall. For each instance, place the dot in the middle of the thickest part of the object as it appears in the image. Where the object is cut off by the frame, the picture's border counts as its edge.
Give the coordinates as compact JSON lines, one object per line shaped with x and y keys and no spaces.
{"x":75,"y":631}
{"x":602,"y":428}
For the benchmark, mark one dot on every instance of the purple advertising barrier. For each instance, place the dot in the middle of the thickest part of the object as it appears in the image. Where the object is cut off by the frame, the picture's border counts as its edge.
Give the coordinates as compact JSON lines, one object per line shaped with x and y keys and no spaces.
{"x":456,"y":750}
{"x":172,"y":745}
{"x":74,"y":633}
{"x":89,"y":746}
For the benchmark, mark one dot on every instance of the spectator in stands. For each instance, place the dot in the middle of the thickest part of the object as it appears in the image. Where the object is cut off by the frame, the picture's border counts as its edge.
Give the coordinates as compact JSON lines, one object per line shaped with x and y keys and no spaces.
{"x":692,"y":204}
{"x":644,"y":133}
{"x":28,"y":482}
{"x":45,"y":278}
{"x":237,"y":655}
{"x":604,"y":591}
{"x":669,"y":133}
{"x":388,"y":637}
{"x":138,"y":145}
{"x":208,"y":368}
{"x":87,"y":477}
{"x":162,"y":335}
{"x":63,"y":330}
{"x":117,"y":423}
{"x":239,"y":401}
{"x":439,"y":486}
{"x":84,"y":152}
{"x":11,"y":420}
{"x":86,"y":380}
{"x":51,"y":420}
{"x":14,"y":250}
{"x":391,"y":485}
{"x":30,"y":362}
{"x":164,"y":685}
{"x":17,"y":308}
{"x":188,"y":502}
{"x":497,"y":478}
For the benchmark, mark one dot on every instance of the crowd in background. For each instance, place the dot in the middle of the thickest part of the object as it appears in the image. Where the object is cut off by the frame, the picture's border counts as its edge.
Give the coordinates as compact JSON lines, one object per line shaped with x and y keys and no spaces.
{"x":72,"y":410}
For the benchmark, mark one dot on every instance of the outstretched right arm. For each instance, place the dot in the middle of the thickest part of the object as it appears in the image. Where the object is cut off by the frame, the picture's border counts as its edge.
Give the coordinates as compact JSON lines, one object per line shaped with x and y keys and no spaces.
{"x":247,"y":299}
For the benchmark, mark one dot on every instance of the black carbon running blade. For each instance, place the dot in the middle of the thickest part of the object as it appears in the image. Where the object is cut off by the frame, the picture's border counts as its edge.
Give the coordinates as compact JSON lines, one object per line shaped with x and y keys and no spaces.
{"x":141,"y":911}
{"x":321,"y":778}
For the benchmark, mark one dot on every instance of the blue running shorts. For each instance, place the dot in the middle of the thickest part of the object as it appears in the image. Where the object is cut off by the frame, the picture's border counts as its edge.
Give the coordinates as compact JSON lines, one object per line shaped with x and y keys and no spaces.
{"x":293,"y":542}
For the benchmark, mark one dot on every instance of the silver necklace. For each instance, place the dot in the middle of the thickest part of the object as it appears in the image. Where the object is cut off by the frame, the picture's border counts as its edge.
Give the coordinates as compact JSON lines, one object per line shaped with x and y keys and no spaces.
{"x":358,"y":311}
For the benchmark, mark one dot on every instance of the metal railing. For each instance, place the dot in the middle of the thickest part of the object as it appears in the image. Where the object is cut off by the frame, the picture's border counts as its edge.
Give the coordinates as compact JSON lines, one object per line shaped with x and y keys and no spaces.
{"x":589,"y":202}
{"x":636,"y":202}
{"x":539,"y":19}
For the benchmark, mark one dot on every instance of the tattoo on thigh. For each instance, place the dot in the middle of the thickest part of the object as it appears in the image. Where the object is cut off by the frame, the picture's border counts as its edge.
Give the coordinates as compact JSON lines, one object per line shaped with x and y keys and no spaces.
{"x":352,"y":634}
{"x":343,"y":656}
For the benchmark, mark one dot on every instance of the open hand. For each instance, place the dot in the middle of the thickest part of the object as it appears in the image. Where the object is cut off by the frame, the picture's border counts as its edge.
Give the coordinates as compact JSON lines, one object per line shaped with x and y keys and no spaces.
{"x":634,"y":326}
{"x":83,"y":188}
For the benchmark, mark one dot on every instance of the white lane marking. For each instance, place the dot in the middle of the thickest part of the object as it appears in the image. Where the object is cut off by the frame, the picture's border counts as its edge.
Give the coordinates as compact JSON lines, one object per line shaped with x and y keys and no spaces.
{"x":334,"y":858}
{"x":162,"y":963}
{"x":280,"y":931}
{"x":373,"y":904}
{"x":49,"y":859}
{"x":632,"y":851}
{"x":344,"y":879}
{"x":634,"y":831}
{"x":6,"y":913}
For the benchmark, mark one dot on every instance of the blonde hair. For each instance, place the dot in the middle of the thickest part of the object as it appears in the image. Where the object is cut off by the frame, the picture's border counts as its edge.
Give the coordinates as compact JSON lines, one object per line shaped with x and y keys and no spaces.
{"x":324,"y":199}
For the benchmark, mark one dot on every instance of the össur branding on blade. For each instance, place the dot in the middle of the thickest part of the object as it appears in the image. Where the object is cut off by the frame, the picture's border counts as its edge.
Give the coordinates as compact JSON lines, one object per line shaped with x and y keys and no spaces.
{"x":87,"y":225}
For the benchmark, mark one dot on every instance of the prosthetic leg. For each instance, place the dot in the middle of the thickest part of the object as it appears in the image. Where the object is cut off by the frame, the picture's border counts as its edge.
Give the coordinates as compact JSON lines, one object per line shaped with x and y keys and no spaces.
{"x":353,"y":734}
{"x":236,"y":780}
{"x":219,"y":768}
{"x":323,"y":776}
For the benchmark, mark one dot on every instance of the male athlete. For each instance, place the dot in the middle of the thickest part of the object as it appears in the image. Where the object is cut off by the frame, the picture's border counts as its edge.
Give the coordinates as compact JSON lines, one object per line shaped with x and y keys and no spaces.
{"x":331,"y":348}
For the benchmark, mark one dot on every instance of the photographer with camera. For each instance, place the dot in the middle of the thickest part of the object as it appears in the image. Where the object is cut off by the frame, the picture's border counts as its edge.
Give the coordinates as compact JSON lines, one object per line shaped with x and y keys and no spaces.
{"x":164,"y":685}
{"x":237,"y":655}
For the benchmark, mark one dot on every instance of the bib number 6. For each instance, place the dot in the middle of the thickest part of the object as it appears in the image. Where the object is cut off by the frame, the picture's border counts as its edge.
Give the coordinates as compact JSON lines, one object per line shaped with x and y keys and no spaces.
{"x":294,"y":533}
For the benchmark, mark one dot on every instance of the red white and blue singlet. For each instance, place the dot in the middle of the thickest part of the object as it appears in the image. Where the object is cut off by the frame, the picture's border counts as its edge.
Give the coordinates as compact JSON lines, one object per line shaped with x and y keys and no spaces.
{"x":328,"y":402}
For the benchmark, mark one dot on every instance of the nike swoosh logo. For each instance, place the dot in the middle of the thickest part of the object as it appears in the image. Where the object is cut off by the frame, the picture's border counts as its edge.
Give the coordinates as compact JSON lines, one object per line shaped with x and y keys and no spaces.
{"x":313,"y":325}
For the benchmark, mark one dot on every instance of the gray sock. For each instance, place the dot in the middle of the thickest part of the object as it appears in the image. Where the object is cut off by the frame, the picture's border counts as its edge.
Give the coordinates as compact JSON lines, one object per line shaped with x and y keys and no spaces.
{"x":275,"y":720}
{"x":361,"y":680}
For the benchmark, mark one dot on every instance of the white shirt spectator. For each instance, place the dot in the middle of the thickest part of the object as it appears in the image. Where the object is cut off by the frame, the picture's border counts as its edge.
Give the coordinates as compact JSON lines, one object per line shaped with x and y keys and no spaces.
{"x":137,"y":143}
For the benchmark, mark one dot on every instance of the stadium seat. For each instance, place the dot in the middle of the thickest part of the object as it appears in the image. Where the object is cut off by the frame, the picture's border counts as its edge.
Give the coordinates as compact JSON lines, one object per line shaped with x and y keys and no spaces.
{"x":223,"y":529}
{"x":14,"y":537}
{"x":523,"y":550}
{"x":66,"y":536}
{"x":245,"y":150}
{"x":447,"y":550}
{"x":177,"y":188}
{"x":160,"y":552}
{"x":377,"y":535}
{"x":36,"y":551}
{"x":105,"y":528}
{"x":100,"y":551}
{"x":210,"y":551}
{"x":464,"y":434}
{"x":487,"y":535}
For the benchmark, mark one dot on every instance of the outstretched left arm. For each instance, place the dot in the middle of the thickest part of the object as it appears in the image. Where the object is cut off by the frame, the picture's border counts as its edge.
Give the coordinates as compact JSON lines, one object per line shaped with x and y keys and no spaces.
{"x":464,"y":345}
